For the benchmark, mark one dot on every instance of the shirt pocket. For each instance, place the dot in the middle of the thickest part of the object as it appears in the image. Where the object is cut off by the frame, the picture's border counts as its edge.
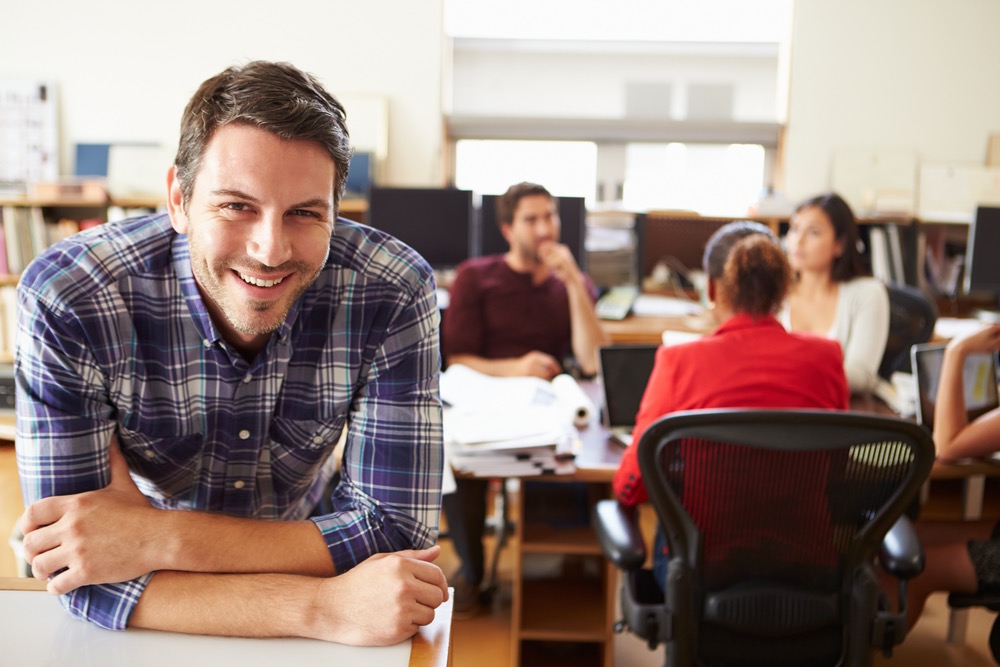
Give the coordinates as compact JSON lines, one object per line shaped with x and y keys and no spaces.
{"x":171,"y":464}
{"x":299,"y":447}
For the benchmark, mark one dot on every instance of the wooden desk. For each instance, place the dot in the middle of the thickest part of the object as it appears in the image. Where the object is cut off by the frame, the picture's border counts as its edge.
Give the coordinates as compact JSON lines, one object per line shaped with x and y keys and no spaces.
{"x":36,"y":630}
{"x":559,"y":605}
{"x":648,"y":330}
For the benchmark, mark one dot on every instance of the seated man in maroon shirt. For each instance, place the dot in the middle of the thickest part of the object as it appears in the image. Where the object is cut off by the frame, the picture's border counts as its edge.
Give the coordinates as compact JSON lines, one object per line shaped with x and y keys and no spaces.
{"x":520,"y":314}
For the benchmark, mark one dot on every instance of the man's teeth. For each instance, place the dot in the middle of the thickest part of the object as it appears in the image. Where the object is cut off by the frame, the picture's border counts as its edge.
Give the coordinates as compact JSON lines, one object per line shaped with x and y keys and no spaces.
{"x":258,"y":282}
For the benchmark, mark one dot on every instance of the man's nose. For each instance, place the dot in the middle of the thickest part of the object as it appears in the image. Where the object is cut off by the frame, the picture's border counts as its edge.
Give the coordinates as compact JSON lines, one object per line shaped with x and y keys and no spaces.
{"x":269,"y":243}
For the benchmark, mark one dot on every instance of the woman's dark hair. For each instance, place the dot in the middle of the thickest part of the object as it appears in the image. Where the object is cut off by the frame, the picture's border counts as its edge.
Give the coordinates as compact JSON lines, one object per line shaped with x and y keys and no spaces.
{"x":749,"y":266}
{"x":276,"y":97}
{"x":849,"y":265}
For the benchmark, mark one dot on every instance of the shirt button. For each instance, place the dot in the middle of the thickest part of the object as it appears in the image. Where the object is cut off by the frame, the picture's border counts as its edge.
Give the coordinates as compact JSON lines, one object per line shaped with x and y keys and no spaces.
{"x":149,"y":454}
{"x":239,"y":484}
{"x":207,"y":343}
{"x":318,"y":439}
{"x":244,"y":434}
{"x":247,"y":379}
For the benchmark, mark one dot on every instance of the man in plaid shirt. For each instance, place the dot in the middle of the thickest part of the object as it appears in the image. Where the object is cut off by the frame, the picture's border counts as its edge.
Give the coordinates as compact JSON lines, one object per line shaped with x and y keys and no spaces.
{"x":209,"y":360}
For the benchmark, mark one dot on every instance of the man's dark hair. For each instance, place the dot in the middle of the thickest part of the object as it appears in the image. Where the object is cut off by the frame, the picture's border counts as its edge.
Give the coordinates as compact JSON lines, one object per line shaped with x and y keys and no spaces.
{"x":276,"y":97}
{"x":508,"y":201}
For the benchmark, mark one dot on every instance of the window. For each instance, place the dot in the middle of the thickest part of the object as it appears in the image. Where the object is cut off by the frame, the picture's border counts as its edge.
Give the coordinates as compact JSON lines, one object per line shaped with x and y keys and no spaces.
{"x":565,"y":168}
{"x":712,"y":179}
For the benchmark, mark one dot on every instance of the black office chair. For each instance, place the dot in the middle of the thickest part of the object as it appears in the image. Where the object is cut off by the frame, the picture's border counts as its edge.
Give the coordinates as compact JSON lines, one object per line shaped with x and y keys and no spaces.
{"x":912,"y":315}
{"x":773,"y":520}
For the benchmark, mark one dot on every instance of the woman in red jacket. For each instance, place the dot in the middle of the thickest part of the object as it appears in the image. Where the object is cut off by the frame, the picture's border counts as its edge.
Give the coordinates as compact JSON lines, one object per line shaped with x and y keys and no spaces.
{"x":750,"y":361}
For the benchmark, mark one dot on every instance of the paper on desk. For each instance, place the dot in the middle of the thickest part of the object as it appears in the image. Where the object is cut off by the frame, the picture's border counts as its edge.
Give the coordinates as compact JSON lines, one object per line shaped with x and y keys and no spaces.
{"x":651,"y":305}
{"x":463,"y":387}
{"x":950,"y":327}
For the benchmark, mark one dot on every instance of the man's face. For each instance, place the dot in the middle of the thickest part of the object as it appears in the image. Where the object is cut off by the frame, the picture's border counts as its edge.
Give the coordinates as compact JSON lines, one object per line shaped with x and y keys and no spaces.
{"x":258,"y":225}
{"x":535,"y":222}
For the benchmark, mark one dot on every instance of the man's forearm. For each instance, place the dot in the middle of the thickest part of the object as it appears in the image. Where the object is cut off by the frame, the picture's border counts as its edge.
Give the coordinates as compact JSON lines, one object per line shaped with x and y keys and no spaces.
{"x":587,"y":333}
{"x":235,"y":605}
{"x":201,"y":542}
{"x":383,"y":600}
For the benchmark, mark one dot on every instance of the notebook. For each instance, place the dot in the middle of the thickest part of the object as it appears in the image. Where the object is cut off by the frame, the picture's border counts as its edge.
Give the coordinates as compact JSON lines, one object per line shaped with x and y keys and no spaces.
{"x":979,"y":376}
{"x":624,"y":370}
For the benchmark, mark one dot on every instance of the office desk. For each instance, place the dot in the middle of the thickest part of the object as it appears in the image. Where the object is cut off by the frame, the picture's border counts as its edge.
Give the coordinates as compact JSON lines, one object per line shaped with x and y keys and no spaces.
{"x":37,"y":631}
{"x":648,"y":329}
{"x":559,"y":602}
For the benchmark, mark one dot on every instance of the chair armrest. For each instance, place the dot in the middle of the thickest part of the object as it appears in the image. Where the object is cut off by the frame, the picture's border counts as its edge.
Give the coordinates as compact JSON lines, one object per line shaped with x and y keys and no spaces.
{"x":901,"y":553}
{"x":618,"y":532}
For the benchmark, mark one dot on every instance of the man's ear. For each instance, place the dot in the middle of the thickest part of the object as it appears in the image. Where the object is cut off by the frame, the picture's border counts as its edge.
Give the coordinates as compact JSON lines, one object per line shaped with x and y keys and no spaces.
{"x":505,"y":231}
{"x":175,"y":202}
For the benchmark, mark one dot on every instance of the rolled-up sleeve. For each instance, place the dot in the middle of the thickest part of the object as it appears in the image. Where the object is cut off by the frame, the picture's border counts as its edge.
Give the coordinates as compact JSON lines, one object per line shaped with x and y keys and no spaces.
{"x":389,"y":495}
{"x":64,"y":425}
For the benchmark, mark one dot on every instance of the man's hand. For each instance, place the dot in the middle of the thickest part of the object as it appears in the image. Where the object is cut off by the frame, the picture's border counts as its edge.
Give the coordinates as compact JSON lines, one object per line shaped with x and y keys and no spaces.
{"x":558,"y":259}
{"x":538,"y":364}
{"x":94,"y":537}
{"x":381,"y":601}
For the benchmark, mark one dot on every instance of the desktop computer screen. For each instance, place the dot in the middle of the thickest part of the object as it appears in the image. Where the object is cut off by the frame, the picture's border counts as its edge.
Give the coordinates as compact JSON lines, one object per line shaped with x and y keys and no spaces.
{"x":359,"y":176}
{"x":572,"y":232}
{"x":436,"y":222}
{"x":982,"y":270}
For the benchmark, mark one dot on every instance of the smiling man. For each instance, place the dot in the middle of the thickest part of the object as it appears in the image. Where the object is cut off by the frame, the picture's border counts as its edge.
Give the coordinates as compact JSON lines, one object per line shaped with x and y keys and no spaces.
{"x":209,"y":360}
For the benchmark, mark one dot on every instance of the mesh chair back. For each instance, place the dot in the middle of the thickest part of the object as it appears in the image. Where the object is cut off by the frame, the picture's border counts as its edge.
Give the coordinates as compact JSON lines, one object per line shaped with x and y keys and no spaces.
{"x":769,"y":516}
{"x":912,"y":316}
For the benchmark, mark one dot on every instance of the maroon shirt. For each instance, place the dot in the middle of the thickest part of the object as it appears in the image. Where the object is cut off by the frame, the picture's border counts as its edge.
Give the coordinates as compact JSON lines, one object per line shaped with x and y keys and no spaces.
{"x":495,"y":312}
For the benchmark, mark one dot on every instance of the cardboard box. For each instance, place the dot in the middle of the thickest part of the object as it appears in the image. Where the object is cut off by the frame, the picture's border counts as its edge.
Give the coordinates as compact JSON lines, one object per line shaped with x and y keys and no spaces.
{"x":74,"y":190}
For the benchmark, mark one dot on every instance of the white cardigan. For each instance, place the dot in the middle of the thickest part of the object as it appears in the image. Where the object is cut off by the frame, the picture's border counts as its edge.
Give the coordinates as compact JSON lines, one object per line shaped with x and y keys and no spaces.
{"x":861,"y":325}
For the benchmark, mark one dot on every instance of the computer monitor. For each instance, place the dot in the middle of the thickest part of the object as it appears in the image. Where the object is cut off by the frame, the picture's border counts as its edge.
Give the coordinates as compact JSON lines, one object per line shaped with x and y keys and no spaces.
{"x":676,"y":239}
{"x":436,"y":222}
{"x":982,"y":270}
{"x":572,"y":232}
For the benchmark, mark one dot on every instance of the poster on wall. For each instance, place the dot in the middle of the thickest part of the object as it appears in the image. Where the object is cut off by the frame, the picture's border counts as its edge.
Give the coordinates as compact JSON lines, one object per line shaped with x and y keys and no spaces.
{"x":29,"y":134}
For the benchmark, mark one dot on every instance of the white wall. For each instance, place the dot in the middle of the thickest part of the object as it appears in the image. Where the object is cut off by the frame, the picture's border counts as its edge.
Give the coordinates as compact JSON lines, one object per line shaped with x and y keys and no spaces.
{"x":890,"y":73}
{"x":125,"y":70}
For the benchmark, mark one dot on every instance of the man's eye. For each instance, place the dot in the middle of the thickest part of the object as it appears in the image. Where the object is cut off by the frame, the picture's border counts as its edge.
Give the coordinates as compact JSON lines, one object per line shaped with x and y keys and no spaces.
{"x":304,"y":213}
{"x":237,"y":206}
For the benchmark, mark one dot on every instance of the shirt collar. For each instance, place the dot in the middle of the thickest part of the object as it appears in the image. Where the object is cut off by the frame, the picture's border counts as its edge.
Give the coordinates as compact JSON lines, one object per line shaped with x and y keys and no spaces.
{"x":742,"y":321}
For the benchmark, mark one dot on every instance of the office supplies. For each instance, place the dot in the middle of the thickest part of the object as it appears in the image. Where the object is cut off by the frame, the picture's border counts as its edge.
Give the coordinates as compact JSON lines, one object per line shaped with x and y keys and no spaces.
{"x":979,"y":377}
{"x":624,"y":373}
{"x":617,"y":302}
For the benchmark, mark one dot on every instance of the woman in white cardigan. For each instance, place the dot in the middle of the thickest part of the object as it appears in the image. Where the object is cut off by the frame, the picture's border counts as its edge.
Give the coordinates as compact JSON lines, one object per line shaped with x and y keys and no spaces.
{"x":832,"y":295}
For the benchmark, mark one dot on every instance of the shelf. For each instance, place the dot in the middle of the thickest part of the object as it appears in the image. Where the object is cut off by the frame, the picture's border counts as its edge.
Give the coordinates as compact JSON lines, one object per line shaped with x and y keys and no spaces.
{"x":126,"y":202}
{"x":563,"y":609}
{"x":543,"y":538}
{"x":560,"y":654}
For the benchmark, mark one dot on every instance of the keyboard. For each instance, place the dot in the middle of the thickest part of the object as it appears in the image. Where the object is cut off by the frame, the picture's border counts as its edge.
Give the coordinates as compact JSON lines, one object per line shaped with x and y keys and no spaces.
{"x":617,"y":302}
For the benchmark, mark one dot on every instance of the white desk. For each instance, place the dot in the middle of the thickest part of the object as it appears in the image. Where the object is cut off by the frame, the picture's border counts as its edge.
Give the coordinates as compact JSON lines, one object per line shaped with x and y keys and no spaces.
{"x":37,"y":631}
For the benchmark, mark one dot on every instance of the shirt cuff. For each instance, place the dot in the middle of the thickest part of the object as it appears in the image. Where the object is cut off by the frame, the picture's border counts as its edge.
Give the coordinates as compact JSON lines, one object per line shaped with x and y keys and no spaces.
{"x":108,"y":606}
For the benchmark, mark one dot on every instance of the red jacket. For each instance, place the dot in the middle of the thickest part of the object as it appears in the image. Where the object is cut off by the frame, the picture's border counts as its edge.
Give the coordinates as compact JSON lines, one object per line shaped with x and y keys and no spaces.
{"x":744,"y":364}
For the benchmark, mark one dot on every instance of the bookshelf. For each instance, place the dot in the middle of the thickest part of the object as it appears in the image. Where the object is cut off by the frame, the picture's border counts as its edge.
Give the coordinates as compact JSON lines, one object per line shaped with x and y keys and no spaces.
{"x":29,"y":225}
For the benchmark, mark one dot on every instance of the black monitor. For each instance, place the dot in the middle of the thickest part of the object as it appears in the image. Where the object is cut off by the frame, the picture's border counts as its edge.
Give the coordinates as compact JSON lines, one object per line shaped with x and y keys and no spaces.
{"x":982,"y":268}
{"x":436,"y":222}
{"x":572,"y":227}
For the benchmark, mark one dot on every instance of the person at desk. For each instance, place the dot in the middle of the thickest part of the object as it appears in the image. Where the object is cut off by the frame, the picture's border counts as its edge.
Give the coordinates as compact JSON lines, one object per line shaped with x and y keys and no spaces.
{"x":960,"y":556}
{"x":750,"y":361}
{"x":208,"y":360}
{"x":517,"y":314}
{"x":831,"y":296}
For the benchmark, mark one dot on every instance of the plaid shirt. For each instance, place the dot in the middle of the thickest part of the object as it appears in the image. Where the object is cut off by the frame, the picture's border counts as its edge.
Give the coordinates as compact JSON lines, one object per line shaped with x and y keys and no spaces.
{"x":114,"y":339}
